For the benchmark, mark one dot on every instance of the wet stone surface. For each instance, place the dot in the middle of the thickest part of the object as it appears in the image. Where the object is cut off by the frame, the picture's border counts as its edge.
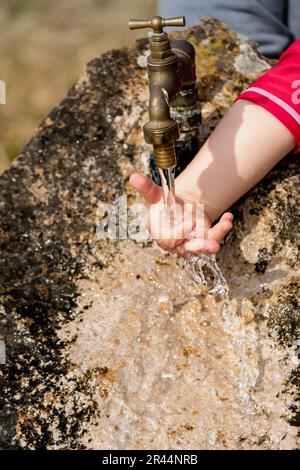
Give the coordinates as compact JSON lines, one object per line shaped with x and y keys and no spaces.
{"x":104,"y":349}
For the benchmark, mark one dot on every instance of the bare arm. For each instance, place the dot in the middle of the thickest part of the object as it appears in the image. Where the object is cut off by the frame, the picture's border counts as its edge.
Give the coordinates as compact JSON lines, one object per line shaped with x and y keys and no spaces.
{"x":244,"y":147}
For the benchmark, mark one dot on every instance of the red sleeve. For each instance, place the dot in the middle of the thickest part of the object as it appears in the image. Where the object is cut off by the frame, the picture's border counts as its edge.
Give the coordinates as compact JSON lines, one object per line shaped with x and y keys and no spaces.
{"x":278,"y":90}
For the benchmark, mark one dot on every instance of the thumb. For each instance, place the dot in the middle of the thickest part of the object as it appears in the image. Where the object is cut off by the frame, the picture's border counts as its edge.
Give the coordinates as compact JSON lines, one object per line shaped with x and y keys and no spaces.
{"x":150,"y":191}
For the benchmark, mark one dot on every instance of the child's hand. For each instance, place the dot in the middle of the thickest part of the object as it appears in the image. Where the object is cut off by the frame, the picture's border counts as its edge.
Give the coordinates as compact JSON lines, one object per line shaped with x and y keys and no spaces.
{"x":174,"y":229}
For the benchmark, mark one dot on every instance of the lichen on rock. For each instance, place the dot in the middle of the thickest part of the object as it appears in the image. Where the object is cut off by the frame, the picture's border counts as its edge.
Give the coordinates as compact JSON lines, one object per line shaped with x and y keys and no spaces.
{"x":104,"y":348}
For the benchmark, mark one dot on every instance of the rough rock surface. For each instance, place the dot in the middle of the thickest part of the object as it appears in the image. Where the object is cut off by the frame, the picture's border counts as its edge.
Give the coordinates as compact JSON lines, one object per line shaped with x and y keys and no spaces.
{"x":104,"y":349}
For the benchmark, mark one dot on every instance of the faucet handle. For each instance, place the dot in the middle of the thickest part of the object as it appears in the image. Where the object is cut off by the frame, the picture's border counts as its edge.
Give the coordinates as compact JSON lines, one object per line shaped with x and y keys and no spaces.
{"x":157,"y":23}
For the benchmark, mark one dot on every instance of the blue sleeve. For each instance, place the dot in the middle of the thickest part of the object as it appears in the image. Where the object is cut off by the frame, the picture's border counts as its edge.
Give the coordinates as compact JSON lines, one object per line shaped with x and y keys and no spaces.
{"x":293,"y":17}
{"x":265,"y":21}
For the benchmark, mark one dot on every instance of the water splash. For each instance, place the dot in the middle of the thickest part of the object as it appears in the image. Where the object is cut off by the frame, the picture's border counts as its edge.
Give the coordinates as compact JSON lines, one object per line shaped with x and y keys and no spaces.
{"x":202,"y":273}
{"x":197,"y":272}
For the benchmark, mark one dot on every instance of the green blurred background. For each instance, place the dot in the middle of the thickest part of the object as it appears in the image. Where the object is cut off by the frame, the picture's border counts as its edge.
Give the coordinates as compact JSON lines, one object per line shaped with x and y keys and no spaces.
{"x":44,"y":46}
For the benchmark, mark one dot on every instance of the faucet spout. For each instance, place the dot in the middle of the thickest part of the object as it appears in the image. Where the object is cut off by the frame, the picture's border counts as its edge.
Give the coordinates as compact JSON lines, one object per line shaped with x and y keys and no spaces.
{"x":164,"y":87}
{"x":165,"y":83}
{"x":170,"y":70}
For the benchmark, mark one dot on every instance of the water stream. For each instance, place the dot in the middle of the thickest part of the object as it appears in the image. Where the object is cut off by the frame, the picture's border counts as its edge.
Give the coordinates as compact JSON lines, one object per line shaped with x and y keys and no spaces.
{"x":167,"y":178}
{"x":197,"y":272}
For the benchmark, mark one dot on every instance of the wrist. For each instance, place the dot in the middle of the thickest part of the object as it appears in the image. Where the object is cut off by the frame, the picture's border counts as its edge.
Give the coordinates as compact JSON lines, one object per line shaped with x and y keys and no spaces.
{"x":190,"y":197}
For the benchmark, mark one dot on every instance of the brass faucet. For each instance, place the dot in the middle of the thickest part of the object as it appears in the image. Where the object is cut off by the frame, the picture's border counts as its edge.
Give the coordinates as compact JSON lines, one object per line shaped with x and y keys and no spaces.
{"x":171,"y":70}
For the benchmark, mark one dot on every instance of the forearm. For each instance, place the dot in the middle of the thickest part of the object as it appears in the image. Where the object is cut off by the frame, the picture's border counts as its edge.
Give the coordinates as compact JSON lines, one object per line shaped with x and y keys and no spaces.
{"x":244,"y":147}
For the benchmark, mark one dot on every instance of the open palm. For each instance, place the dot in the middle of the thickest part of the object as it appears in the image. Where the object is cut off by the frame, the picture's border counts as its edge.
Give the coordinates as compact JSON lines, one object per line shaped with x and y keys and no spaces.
{"x":176,"y":228}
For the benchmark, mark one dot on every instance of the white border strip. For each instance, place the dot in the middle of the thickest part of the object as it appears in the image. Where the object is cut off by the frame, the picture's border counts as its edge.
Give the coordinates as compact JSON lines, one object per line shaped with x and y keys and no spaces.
{"x":278,"y":101}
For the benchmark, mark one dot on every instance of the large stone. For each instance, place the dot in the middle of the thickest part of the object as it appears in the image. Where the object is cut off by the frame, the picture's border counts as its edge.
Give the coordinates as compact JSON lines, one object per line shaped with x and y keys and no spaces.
{"x":104,"y":348}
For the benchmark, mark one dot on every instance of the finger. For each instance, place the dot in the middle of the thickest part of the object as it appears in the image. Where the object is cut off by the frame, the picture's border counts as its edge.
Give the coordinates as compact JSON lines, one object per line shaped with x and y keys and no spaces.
{"x":168,"y":245}
{"x":197,"y":246}
{"x":219,"y":230}
{"x":181,"y":230}
{"x":169,"y":224}
{"x":150,"y":191}
{"x":227,"y":216}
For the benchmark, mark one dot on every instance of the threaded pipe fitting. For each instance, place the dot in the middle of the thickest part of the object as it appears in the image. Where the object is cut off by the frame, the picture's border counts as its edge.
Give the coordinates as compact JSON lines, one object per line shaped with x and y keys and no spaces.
{"x":165,"y":155}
